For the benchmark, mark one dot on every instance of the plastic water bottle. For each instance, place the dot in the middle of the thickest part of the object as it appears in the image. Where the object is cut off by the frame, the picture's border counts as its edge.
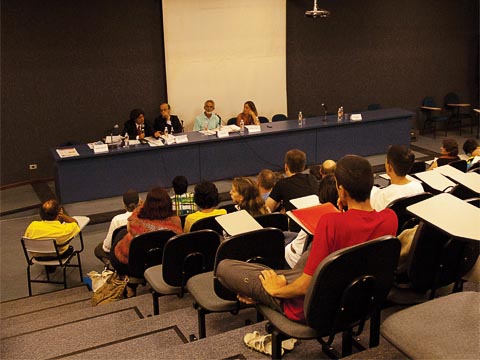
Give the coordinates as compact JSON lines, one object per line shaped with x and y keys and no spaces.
{"x":242,"y":127}
{"x":165,"y":131}
{"x":300,"y":118}
{"x":340,"y":113}
{"x":126,"y":140}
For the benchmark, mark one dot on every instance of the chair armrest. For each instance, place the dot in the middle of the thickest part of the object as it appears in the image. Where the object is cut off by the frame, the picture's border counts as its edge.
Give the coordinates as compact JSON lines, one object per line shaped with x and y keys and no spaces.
{"x":431,"y":108}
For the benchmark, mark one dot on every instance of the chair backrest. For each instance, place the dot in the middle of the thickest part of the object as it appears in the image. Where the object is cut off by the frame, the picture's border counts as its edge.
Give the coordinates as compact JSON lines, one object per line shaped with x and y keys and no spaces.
{"x":418,"y":166}
{"x":263,"y":119}
{"x":229,"y":207}
{"x":274,"y":220}
{"x":451,"y":98}
{"x":207,"y":223}
{"x":459,"y":165}
{"x":189,"y":254}
{"x":429,"y":101}
{"x":350,"y":283}
{"x":118,"y":235}
{"x":32,"y":247}
{"x":374,"y":107}
{"x":279,"y":117}
{"x":146,"y":250}
{"x":399,"y":206}
{"x":265,"y":246}
{"x":436,"y":260}
{"x":232,"y":121}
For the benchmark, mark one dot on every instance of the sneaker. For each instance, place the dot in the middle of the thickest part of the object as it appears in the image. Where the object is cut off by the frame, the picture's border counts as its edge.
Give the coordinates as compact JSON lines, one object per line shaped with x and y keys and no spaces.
{"x":260,"y":343}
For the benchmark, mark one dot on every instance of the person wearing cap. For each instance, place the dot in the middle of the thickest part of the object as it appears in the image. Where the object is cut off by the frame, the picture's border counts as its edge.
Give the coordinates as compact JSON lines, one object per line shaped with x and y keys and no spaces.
{"x":130,"y":201}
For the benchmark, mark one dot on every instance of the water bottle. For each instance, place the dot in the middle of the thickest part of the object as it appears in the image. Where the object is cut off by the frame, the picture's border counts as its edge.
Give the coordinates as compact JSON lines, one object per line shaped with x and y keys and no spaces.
{"x":340,"y":113}
{"x":165,"y":131}
{"x":300,"y":118}
{"x":242,"y":127}
{"x":126,"y":140}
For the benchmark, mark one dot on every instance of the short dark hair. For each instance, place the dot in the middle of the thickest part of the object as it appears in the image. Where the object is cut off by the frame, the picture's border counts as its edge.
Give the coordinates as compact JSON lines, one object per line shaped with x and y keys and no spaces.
{"x":401,"y":159}
{"x":355,"y":175}
{"x":135,"y":113}
{"x":327,"y":190}
{"x":469,"y":146}
{"x":266,"y":179}
{"x":180,"y":184}
{"x":205,"y":195}
{"x":295,"y":160}
{"x":315,"y":171}
{"x":451,"y":146}
{"x":49,"y":210}
{"x":157,"y":205}
{"x":130,"y":199}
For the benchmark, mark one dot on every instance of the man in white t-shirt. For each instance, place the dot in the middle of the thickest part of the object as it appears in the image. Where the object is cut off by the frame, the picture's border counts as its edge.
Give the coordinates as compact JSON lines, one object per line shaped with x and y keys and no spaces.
{"x":130,"y":202}
{"x":398,"y":163}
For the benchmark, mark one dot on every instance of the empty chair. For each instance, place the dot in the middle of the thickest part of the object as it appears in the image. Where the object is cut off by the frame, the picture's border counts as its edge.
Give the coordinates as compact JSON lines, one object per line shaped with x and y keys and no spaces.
{"x":263,"y":119}
{"x":232,"y":121}
{"x":433,"y":115}
{"x":459,"y":165}
{"x":374,"y":107}
{"x":279,"y":117}
{"x":184,"y":256}
{"x":455,"y":106}
{"x":347,"y":288}
{"x":275,"y":220}
{"x":418,"y":166}
{"x":48,"y":247}
{"x":444,"y":328}
{"x":207,"y":223}
{"x":264,"y":246}
{"x":399,"y":206}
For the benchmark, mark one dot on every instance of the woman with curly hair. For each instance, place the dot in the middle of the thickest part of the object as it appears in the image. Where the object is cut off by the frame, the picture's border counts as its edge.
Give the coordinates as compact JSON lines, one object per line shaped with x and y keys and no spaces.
{"x":246,"y":196}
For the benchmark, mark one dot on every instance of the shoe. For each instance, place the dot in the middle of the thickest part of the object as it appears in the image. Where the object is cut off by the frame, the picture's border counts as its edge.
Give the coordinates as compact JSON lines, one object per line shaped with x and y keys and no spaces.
{"x":289,"y":344}
{"x":260,"y":343}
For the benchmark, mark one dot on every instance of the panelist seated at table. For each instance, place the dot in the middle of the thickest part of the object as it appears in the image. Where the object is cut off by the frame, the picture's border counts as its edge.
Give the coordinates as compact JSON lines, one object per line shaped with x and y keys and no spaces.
{"x":249,"y":115}
{"x":208,"y":117}
{"x":136,"y":127}
{"x":448,"y":153}
{"x":166,"y":120}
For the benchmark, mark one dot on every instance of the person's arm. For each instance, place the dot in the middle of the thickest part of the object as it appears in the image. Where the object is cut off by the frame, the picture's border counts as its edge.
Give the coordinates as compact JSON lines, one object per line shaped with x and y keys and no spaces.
{"x":196,"y":125}
{"x":65,"y":218}
{"x":239,"y":118}
{"x":271,"y":204}
{"x":255,"y":118}
{"x":276,"y":285}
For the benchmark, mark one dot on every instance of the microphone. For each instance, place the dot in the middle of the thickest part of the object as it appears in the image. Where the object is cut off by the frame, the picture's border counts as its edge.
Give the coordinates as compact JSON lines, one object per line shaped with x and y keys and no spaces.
{"x":219,"y":122}
{"x":116,"y":130}
{"x":324,"y":112}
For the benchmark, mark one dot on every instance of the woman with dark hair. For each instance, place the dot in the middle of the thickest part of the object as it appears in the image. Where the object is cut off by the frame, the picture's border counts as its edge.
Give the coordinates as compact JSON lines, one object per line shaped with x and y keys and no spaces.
{"x":155,"y":214}
{"x":448,"y":153}
{"x":246,"y":196}
{"x":249,"y":115}
{"x":206,"y":198}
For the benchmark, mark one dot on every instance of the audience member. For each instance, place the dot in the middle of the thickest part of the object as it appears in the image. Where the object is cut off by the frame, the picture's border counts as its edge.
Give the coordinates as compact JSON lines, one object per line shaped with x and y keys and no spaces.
{"x":315,"y":171}
{"x":166,"y":120}
{"x":245,"y":195}
{"x":207,"y":117}
{"x":249,"y":115}
{"x":54,"y":224}
{"x":327,"y":192}
{"x":154,"y":214}
{"x":472,"y":149}
{"x":285,"y":290}
{"x":130,"y":202}
{"x":266,"y":179}
{"x":327,"y":168}
{"x":137,"y":127}
{"x":398,"y":163}
{"x":206,"y":199}
{"x":182,"y":200}
{"x":295,"y":185}
{"x":448,"y":153}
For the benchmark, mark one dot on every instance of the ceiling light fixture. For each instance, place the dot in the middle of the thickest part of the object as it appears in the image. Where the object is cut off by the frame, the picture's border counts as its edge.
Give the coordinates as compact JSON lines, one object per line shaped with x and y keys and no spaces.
{"x":316,"y":12}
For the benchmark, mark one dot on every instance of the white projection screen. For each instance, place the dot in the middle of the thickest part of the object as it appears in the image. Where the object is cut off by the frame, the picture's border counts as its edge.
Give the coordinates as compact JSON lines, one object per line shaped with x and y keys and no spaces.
{"x":230,"y":51}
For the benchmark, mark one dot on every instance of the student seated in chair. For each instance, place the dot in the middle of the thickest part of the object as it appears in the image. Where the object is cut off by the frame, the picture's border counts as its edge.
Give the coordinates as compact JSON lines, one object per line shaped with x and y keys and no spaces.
{"x":398,"y":163}
{"x":285,"y":290}
{"x":55,"y":224}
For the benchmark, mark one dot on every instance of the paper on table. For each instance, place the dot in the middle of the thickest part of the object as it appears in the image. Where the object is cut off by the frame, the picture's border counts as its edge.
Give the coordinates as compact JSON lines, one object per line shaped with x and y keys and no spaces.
{"x":67,"y":152}
{"x":305,"y":201}
{"x":233,"y":127}
{"x":154,"y":142}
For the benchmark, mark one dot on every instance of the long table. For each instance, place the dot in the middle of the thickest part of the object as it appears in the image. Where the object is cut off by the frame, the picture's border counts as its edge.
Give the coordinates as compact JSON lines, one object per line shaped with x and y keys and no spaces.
{"x":206,"y":157}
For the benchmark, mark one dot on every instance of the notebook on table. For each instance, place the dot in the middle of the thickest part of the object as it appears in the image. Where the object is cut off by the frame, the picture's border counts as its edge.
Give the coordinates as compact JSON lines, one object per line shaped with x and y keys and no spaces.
{"x":308,"y":217}
{"x":238,"y":222}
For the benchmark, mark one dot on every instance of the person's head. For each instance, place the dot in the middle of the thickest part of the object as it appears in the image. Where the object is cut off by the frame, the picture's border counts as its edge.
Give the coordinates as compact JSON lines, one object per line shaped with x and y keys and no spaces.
{"x":327,"y":168}
{"x":327,"y":190}
{"x":157,"y":205}
{"x":50,"y":210}
{"x":209,"y":106}
{"x":469,"y":146}
{"x":137,"y":115}
{"x":249,"y":105}
{"x":246,"y":195}
{"x":295,"y":160}
{"x":266,"y":179}
{"x":180,"y":184}
{"x":165,"y":110}
{"x":449,"y":147}
{"x":130,"y":199}
{"x":354,"y":175}
{"x":205,"y":195}
{"x":400,"y":159}
{"x":315,"y":171}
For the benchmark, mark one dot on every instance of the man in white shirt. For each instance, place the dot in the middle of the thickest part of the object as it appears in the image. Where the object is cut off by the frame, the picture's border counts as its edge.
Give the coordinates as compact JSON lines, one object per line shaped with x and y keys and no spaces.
{"x":208,"y":117}
{"x":130,"y":202}
{"x":398,"y":163}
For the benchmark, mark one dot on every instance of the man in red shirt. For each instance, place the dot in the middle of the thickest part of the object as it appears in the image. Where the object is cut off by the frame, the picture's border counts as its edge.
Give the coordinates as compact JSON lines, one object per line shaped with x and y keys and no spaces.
{"x":284,"y":290}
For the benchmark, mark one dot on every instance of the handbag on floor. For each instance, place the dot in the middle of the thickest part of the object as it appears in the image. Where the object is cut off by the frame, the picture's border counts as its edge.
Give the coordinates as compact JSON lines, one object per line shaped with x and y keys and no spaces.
{"x":98,"y":279}
{"x":112,"y":290}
